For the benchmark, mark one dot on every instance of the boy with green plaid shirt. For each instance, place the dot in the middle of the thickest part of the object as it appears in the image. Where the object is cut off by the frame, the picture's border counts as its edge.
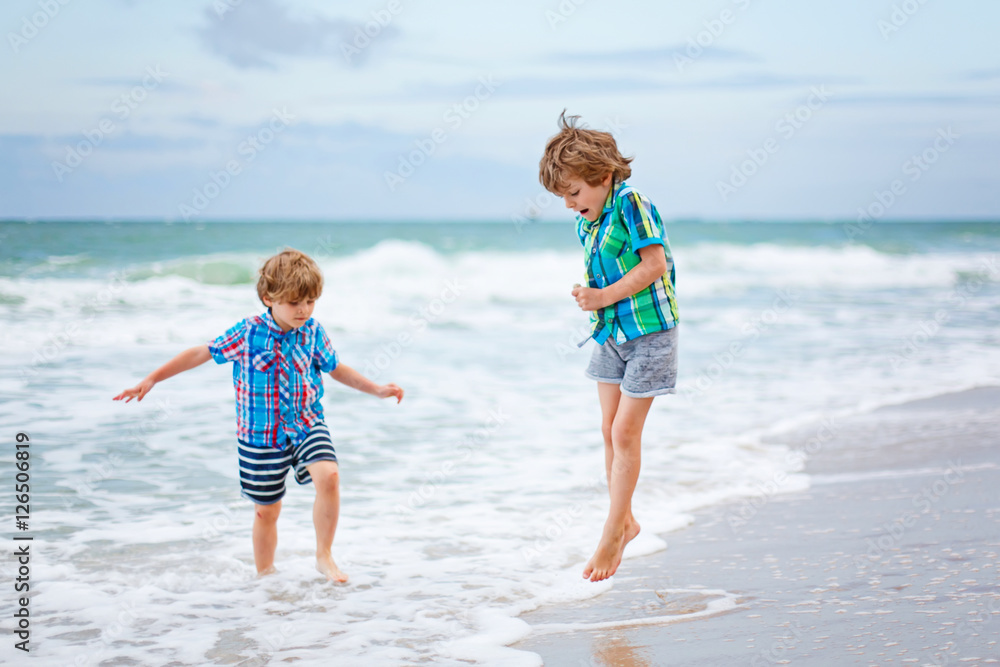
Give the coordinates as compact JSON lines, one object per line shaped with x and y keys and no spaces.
{"x":630,"y":294}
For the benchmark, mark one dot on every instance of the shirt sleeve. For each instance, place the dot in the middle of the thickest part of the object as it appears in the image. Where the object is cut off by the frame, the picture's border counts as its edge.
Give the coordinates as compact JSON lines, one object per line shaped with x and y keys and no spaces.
{"x":644,"y":227}
{"x":229,"y":346}
{"x":324,"y":356}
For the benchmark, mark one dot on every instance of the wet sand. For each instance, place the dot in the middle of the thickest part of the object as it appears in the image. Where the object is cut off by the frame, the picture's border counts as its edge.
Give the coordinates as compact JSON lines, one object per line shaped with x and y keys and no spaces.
{"x":890,"y":558}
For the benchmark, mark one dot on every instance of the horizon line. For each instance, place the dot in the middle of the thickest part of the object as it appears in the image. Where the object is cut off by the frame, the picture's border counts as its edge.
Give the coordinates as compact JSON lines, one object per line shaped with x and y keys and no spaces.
{"x":483,"y":221}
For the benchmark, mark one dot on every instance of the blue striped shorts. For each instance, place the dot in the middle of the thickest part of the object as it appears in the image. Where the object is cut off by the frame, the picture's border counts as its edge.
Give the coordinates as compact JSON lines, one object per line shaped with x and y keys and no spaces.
{"x":263,"y":469}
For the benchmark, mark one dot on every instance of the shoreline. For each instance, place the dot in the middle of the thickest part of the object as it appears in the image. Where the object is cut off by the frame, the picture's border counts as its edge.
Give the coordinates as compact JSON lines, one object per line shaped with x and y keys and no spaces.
{"x":889,"y":557}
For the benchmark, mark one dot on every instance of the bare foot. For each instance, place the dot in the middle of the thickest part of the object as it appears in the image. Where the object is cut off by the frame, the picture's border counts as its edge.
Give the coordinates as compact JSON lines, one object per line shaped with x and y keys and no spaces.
{"x":266,"y":571}
{"x":329,"y":569}
{"x":605,"y":561}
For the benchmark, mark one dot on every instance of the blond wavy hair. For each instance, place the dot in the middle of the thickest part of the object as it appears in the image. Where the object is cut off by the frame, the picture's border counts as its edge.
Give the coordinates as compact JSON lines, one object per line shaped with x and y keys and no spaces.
{"x":289,"y":276}
{"x":580,"y":153}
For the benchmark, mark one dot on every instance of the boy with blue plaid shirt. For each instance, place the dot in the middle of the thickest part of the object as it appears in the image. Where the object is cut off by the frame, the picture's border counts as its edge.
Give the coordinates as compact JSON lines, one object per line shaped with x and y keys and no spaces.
{"x":278,"y":359}
{"x":630,"y":295}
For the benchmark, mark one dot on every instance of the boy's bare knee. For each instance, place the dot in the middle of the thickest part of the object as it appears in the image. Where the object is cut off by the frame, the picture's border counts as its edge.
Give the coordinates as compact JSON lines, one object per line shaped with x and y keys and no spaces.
{"x":328,"y":480}
{"x":268,"y":513}
{"x":625,"y":436}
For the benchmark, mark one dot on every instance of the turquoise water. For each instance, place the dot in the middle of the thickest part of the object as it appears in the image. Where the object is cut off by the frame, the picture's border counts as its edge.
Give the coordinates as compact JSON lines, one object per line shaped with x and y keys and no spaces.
{"x":27,"y":245}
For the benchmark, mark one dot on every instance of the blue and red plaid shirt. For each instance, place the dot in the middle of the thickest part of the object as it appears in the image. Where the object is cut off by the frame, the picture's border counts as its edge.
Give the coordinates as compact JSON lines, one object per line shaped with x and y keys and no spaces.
{"x":277,"y":376}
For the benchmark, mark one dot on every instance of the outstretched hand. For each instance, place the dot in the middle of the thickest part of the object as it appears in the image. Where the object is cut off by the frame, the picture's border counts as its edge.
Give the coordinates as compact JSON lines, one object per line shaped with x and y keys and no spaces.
{"x":387,"y":390}
{"x":137,"y":392}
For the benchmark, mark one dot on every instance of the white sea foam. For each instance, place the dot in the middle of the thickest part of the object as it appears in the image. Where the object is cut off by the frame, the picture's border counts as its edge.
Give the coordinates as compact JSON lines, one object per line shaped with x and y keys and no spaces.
{"x":723,"y":268}
{"x":721,"y":602}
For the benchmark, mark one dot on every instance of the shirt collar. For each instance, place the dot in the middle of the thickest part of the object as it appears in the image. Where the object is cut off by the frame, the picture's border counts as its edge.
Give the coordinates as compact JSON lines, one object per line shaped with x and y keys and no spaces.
{"x":274,"y":328}
{"x":609,"y":205}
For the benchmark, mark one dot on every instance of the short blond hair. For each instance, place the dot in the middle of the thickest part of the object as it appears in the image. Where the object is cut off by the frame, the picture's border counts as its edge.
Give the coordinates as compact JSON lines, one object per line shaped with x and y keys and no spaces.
{"x":577,"y":152}
{"x":289,"y":276}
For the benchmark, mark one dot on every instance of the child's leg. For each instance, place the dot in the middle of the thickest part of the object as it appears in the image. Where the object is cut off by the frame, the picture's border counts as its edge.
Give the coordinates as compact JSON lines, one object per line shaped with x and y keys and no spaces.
{"x":265,"y":536}
{"x":326,"y":510}
{"x":626,"y":440}
{"x":610,"y":396}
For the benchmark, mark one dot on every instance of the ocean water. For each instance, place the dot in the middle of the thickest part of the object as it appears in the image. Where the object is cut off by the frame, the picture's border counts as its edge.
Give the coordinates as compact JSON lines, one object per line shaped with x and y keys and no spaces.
{"x":481,"y":495}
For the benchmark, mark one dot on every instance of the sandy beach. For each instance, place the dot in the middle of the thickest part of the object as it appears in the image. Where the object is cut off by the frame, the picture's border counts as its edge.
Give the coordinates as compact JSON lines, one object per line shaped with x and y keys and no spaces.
{"x":889,"y":558}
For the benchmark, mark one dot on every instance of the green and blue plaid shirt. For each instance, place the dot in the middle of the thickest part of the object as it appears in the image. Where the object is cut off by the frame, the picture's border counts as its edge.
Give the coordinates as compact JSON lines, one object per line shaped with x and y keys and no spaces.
{"x":611,"y":244}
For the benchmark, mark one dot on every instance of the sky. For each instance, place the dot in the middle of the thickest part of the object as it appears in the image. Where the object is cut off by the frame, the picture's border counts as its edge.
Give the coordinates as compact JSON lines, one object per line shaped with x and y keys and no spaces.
{"x":429,"y":110}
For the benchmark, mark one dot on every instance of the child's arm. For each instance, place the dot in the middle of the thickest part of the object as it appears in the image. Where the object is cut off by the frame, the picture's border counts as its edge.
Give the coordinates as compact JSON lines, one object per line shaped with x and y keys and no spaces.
{"x":346,"y":375}
{"x":184,"y":361}
{"x":652,"y":265}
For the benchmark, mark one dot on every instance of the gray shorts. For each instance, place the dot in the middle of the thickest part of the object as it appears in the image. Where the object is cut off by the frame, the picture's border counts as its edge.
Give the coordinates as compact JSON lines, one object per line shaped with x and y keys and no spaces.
{"x":644,"y":366}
